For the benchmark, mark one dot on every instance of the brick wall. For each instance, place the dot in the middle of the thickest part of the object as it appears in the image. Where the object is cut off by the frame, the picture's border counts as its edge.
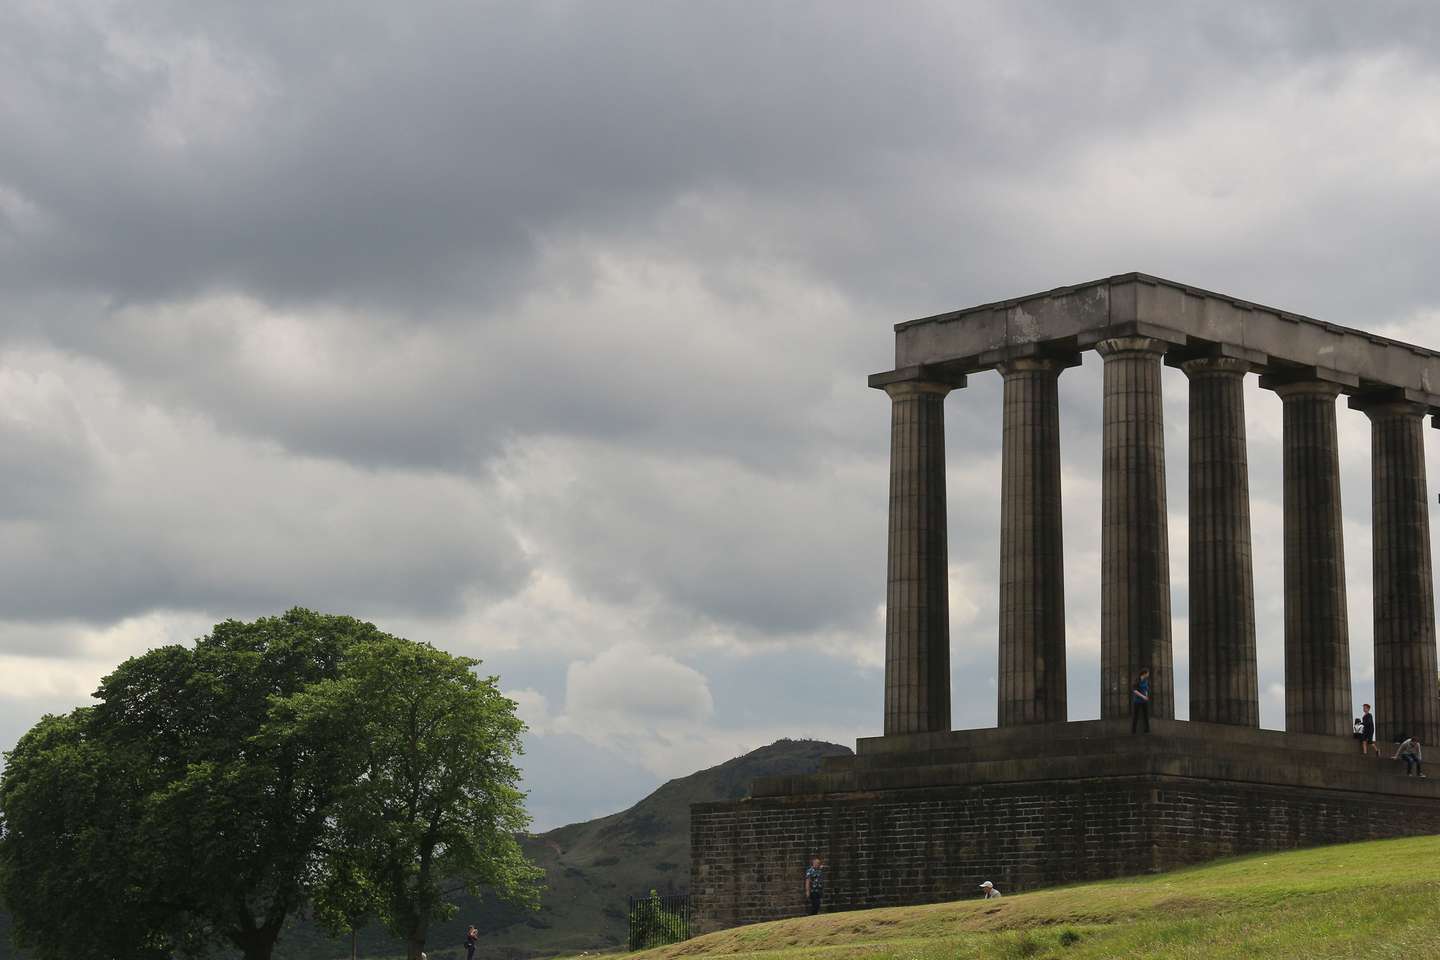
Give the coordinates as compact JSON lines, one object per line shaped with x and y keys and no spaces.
{"x":921,"y":846}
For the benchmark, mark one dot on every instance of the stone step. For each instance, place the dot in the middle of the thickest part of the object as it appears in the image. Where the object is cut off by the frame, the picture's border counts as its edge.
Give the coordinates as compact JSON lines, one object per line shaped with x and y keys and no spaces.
{"x":1157,"y":754}
{"x":1016,"y":737}
{"x":1179,"y":736}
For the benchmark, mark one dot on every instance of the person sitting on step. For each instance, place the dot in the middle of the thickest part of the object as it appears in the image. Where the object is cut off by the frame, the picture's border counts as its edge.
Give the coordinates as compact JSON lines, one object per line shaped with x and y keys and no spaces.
{"x":1409,"y":751}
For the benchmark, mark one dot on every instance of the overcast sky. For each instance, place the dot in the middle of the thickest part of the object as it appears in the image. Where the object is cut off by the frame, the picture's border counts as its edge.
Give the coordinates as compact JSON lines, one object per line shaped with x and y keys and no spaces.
{"x":539,"y":331}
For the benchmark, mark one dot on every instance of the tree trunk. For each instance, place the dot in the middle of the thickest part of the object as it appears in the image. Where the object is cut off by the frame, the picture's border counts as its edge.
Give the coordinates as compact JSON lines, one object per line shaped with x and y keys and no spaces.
{"x":354,"y":944}
{"x":259,"y":943}
{"x":417,"y":940}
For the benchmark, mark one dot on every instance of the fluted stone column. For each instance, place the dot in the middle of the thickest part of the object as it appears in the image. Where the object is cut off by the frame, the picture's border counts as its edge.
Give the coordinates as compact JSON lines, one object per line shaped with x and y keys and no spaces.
{"x":1405,"y":684}
{"x":1032,"y":570}
{"x":1223,"y":684}
{"x":917,"y":608}
{"x":1134,"y":540}
{"x":1317,"y":632}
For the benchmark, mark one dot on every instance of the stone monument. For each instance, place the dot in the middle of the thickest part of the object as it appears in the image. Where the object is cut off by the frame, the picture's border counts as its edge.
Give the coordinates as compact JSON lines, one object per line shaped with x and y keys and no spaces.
{"x":924,"y":813}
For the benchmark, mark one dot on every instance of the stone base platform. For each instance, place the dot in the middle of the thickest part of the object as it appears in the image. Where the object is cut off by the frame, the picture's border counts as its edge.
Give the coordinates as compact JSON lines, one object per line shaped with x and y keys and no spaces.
{"x":926,"y":817}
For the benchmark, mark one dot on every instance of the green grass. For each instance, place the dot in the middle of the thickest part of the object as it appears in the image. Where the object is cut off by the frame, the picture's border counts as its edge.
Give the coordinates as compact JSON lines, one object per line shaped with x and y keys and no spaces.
{"x":1363,"y":900}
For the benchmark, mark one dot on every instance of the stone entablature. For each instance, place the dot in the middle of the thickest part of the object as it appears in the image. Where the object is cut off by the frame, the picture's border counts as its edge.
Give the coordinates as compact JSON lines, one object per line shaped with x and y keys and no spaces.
{"x":1078,"y":317}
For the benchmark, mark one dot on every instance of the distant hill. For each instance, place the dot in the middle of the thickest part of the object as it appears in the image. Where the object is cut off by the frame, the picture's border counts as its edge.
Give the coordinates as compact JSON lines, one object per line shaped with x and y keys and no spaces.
{"x":590,"y":869}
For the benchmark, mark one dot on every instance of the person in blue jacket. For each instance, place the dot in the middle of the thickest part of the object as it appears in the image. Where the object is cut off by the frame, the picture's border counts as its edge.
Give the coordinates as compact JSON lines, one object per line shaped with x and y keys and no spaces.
{"x":1140,"y":700}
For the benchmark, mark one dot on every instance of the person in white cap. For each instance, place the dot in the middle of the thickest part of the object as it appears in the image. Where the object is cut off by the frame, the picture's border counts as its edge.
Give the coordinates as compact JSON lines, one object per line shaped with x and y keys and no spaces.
{"x":990,"y":892}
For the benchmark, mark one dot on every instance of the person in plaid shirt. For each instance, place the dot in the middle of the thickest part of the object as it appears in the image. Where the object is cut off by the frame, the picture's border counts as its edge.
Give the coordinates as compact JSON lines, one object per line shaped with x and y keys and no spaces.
{"x":815,"y":884}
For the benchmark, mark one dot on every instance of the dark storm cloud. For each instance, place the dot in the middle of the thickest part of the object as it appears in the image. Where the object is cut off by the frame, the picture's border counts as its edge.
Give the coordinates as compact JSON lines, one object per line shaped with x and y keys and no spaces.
{"x":411,"y":155}
{"x":399,"y":152}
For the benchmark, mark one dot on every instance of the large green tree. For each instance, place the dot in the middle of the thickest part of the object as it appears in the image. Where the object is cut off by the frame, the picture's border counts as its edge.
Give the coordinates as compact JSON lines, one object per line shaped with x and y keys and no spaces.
{"x":433,"y":807}
{"x":177,"y":802}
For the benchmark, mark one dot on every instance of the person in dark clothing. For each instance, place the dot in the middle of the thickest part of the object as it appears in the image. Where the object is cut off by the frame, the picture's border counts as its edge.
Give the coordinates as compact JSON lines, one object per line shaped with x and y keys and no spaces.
{"x":1367,"y":732}
{"x":814,"y":885}
{"x":471,"y":936}
{"x":1140,"y":701}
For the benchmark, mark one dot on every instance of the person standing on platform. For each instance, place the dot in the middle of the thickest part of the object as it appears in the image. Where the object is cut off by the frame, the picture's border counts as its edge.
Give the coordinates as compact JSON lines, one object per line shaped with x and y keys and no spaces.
{"x":1367,"y":721}
{"x":814,"y":885}
{"x":1140,"y":701}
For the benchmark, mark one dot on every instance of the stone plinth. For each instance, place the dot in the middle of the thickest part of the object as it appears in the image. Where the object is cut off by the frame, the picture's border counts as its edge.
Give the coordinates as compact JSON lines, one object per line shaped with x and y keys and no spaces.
{"x":923,"y":819}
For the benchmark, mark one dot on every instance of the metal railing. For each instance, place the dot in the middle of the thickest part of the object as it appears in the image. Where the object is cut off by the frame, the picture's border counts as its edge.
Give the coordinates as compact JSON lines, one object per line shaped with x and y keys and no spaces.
{"x":656,"y":920}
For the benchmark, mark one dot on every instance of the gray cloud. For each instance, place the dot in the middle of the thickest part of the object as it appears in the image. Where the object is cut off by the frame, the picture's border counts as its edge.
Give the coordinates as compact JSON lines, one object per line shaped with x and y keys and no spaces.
{"x":416,"y":157}
{"x":120,"y":508}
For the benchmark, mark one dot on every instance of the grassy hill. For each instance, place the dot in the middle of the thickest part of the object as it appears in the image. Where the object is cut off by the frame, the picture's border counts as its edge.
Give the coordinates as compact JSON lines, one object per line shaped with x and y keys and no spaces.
{"x":1365,"y":900}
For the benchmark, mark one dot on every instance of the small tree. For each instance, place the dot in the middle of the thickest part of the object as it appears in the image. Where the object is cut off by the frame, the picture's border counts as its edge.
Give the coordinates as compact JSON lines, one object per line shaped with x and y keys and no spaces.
{"x":432,"y":807}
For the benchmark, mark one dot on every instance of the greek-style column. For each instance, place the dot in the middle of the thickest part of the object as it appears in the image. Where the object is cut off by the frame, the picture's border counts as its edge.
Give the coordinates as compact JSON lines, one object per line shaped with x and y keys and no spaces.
{"x":1032,"y":569}
{"x":1317,"y":632}
{"x":1405,"y":684}
{"x":1223,"y":684}
{"x":917,"y":607}
{"x":1134,"y":539}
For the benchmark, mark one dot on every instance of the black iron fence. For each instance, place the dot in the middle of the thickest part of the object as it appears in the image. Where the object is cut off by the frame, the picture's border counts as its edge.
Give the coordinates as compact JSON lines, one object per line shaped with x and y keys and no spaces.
{"x":656,"y":920}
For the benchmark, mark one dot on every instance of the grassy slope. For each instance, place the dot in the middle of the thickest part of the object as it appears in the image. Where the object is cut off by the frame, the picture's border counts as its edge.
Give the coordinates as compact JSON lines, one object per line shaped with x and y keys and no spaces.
{"x":1378,"y":899}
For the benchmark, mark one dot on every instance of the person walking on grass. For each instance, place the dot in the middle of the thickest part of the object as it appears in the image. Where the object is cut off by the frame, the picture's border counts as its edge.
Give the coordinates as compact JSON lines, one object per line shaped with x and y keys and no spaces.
{"x":990,"y":892}
{"x":814,"y":885}
{"x":471,"y":936}
{"x":1409,"y":751}
{"x":1140,"y":700}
